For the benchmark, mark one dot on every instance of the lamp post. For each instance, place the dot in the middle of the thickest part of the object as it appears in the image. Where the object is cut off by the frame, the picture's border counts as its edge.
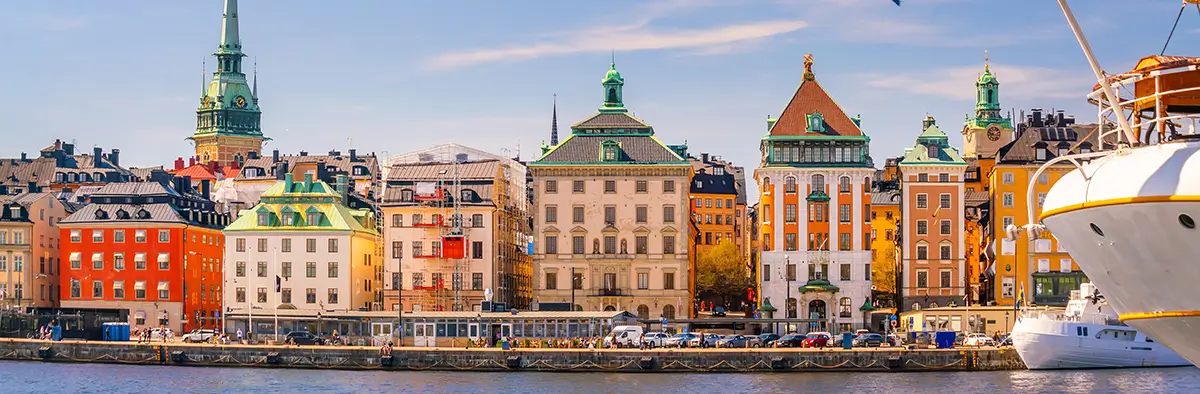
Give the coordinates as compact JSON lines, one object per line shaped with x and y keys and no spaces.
{"x":1006,"y":330}
{"x":787,"y":304}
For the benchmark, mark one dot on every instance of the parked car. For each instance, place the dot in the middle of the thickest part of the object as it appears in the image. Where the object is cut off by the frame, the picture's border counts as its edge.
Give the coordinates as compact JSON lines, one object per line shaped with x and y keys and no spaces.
{"x":739,"y":341}
{"x":679,"y":340}
{"x":979,"y":340}
{"x":1006,"y":341}
{"x":894,"y":340}
{"x":768,"y":340}
{"x":197,"y":336}
{"x":718,"y":312}
{"x":655,"y":339}
{"x":709,"y":340}
{"x":789,"y":340}
{"x":303,"y":338}
{"x":624,"y":336}
{"x":868,"y":340}
{"x":816,"y":339}
{"x":836,"y":341}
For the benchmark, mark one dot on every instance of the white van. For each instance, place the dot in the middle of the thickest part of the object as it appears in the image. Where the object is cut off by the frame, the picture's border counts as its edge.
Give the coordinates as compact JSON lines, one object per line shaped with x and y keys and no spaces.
{"x":624,"y":336}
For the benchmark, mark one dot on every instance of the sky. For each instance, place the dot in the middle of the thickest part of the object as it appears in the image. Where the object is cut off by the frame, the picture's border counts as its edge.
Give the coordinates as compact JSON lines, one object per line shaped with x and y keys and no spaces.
{"x":389,"y":76}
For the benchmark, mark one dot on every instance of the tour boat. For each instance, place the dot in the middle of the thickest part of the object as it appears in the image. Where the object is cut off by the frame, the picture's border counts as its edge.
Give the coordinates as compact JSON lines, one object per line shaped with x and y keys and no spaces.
{"x":1127,"y":214}
{"x":1087,"y":334}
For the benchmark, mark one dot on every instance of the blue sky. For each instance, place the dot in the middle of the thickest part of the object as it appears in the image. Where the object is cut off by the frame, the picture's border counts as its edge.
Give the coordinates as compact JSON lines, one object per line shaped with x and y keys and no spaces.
{"x":397,"y":76}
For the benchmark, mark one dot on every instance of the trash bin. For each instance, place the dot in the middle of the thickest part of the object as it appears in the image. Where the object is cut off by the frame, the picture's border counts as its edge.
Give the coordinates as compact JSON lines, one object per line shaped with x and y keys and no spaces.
{"x":56,"y":333}
{"x":504,"y":345}
{"x":944,"y":339}
{"x":847,"y":340}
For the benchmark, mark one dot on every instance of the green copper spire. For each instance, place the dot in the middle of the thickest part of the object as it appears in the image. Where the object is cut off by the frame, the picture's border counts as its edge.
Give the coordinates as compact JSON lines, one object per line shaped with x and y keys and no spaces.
{"x":613,"y":86}
{"x":229,"y":104}
{"x":230,"y":42}
{"x":987,"y":99}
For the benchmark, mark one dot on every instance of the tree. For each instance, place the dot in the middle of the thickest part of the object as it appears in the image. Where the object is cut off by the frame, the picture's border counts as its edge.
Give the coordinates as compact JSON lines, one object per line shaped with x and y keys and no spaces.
{"x":883,"y":270}
{"x":721,"y":271}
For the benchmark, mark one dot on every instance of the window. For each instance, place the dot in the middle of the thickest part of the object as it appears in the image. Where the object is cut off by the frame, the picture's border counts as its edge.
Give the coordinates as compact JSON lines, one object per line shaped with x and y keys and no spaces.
{"x":845,"y":268}
{"x":668,"y":214}
{"x":310,"y":295}
{"x":97,"y":289}
{"x":1008,"y":200}
{"x":922,"y":201}
{"x":261,"y":272}
{"x":668,"y":186}
{"x":285,"y":269}
{"x":844,"y":242}
{"x":333,"y":295}
{"x":164,"y":236}
{"x":97,"y":236}
{"x":577,"y":214}
{"x":668,"y":244}
{"x":668,"y":281}
{"x":285,"y":245}
{"x":577,"y":244}
{"x":1041,"y":199}
{"x":945,"y":227}
{"x":844,"y":213}
{"x":164,"y":290}
{"x":844,"y":184}
{"x":867,"y":272}
{"x":262,"y":244}
{"x":75,"y":237}
{"x":312,"y":219}
{"x":610,"y":214}
{"x":164,"y":261}
{"x":551,"y":186}
{"x":119,"y":236}
{"x":477,"y":249}
{"x":1044,"y":178}
{"x":610,"y":186}
{"x":922,"y":279}
{"x":577,"y":187}
{"x":551,"y":214}
{"x":240,"y":270}
{"x":397,"y":220}
{"x":118,"y":261}
{"x":708,"y":203}
{"x":139,"y":290}
{"x":641,"y":186}
{"x":240,"y":244}
{"x":1006,"y":221}
{"x":643,"y":280}
{"x":641,"y":244}
{"x":119,"y":289}
{"x":922,"y":227}
{"x":640,"y":215}
{"x":139,"y":261}
{"x":75,"y":288}
{"x":310,"y":245}
{"x":789,"y":242}
{"x":944,"y":250}
{"x":285,"y":295}
{"x":397,"y":249}
{"x":97,"y":261}
{"x":922,"y":177}
{"x":577,"y":280}
{"x":551,"y":281}
{"x":310,"y":269}
{"x":945,"y":274}
{"x":789,"y":185}
{"x":333,"y":245}
{"x":789,"y":213}
{"x":551,"y":244}
{"x":922,"y":252}
{"x":1007,"y":178}
{"x":944,"y":200}
{"x":610,"y":245}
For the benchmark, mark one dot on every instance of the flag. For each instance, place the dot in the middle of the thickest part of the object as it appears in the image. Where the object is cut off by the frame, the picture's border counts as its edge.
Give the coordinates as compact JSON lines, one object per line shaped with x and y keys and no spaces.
{"x":938,"y":210}
{"x":278,"y":283}
{"x":897,"y":2}
{"x":1020,"y":297}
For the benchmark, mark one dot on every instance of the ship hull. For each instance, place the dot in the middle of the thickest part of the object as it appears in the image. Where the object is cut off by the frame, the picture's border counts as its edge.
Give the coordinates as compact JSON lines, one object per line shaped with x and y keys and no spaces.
{"x":1055,"y":344}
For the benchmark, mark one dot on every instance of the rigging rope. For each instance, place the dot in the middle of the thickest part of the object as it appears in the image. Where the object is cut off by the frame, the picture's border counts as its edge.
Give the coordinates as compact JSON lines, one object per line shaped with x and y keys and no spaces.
{"x":1177,"y":17}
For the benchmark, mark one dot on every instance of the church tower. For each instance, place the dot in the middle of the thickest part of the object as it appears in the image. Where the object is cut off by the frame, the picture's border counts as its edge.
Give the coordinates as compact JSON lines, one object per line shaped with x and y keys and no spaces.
{"x":613,"y":84}
{"x":984,"y":134}
{"x":228,"y":128}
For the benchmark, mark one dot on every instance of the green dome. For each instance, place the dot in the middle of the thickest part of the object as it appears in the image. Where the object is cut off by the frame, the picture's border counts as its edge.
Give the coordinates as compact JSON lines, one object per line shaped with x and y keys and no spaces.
{"x":987,"y":77}
{"x":613,"y":75}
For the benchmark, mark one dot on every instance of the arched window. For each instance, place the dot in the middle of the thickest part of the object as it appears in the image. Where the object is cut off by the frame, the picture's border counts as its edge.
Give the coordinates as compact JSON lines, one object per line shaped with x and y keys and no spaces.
{"x":818,"y":183}
{"x":916,"y":306}
{"x":596,"y":246}
{"x":933,"y":305}
{"x":791,"y":308}
{"x":844,"y":184}
{"x":624,"y":246}
{"x":866,"y":184}
{"x":990,"y":95}
{"x":669,"y":311}
{"x":844,"y":307}
{"x":477,"y":220}
{"x":789,"y":185}
{"x":643,"y":312}
{"x":612,"y":95}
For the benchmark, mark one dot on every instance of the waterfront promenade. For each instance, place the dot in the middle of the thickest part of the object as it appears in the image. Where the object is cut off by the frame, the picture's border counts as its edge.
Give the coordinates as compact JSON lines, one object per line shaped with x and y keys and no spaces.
{"x":522,"y":359}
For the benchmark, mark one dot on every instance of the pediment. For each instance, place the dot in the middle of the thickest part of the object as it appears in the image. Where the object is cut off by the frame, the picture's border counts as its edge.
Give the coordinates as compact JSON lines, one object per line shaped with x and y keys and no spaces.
{"x":551,"y":230}
{"x":610,"y":229}
{"x":579,"y":230}
{"x":669,"y":230}
{"x":641,"y":230}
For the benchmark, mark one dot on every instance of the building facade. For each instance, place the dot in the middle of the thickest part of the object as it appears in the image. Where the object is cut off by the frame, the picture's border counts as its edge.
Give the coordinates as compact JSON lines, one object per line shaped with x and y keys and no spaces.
{"x":714,"y":217}
{"x":611,"y":216}
{"x":258,"y":173}
{"x":302,"y":248}
{"x":885,"y":246}
{"x":430,"y":205}
{"x":152,"y":250}
{"x":228,"y":120}
{"x":58,"y":168}
{"x":815,"y":184}
{"x":29,"y":242}
{"x":933,"y":270}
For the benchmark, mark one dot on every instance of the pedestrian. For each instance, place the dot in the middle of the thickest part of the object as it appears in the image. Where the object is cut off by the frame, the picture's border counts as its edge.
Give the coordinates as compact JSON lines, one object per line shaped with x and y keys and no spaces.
{"x":239,"y":336}
{"x":642,"y":342}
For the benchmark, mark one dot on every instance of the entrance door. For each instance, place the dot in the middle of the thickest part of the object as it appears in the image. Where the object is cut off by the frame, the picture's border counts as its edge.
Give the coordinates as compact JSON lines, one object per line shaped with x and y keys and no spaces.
{"x":506,"y":330}
{"x":424,"y":335}
{"x":381,"y":333}
{"x":816,"y":311}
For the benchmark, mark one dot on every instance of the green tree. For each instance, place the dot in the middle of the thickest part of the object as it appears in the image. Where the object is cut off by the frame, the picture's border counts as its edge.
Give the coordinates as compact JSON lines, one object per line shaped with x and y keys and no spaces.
{"x":883,"y":270}
{"x":721,"y":271}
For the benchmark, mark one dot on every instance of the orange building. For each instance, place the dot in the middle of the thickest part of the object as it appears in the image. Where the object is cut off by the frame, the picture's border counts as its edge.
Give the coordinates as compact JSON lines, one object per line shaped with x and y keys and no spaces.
{"x":149,"y":252}
{"x":931,"y":185}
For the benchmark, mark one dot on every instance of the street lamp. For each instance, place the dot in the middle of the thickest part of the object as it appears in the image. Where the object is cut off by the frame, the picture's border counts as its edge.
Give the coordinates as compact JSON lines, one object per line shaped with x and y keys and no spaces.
{"x":788,"y":304}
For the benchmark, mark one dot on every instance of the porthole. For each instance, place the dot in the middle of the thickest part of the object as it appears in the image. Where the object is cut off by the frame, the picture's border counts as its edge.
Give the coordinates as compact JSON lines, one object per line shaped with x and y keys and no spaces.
{"x":1097,"y":229}
{"x":1186,"y":221}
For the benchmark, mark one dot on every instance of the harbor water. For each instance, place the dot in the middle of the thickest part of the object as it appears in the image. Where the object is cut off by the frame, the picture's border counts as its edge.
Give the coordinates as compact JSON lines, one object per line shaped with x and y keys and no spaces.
{"x":37,"y":377}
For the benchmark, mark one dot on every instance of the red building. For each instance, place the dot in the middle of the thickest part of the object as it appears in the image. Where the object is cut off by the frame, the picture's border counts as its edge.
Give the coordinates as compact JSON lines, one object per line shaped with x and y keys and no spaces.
{"x":146,"y":250}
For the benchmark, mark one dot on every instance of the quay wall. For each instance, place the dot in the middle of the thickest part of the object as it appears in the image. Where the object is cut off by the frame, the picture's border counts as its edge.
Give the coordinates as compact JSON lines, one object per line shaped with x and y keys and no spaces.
{"x":561,"y":360}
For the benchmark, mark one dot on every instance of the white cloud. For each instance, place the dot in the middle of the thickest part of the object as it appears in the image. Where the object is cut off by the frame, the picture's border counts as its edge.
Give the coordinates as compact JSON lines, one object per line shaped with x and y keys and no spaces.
{"x":635,"y":36}
{"x":958,"y":82}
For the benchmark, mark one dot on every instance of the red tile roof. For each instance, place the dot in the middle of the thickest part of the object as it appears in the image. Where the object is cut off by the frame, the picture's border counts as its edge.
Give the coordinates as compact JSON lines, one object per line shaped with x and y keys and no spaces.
{"x":811,"y":98}
{"x":197,"y":172}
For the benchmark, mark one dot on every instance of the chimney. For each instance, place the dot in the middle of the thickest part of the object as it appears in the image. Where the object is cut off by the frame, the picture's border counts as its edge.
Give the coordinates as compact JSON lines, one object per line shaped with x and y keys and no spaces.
{"x":281,"y":168}
{"x":23,"y":157}
{"x":1037,"y":118}
{"x":191,"y":161}
{"x":335,"y":153}
{"x":308,"y":180}
{"x":353,"y":154}
{"x":288,"y":179}
{"x":322,"y":172}
{"x":703,"y":157}
{"x":252,"y":155}
{"x":179,"y":163}
{"x":33,"y":187}
{"x":68,"y":149}
{"x":204,"y":189}
{"x":96,"y":152}
{"x":186,"y":185}
{"x":303,"y":153}
{"x":275,"y":156}
{"x":3,"y":190}
{"x":1059,"y":117}
{"x":114,"y":157}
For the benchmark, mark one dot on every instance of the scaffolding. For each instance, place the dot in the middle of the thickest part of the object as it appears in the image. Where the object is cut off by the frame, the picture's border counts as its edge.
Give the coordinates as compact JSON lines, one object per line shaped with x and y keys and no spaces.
{"x":447,"y":248}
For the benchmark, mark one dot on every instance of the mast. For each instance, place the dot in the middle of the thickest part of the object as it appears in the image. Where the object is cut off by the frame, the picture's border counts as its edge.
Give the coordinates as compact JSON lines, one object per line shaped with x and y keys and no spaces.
{"x":1114,"y":102}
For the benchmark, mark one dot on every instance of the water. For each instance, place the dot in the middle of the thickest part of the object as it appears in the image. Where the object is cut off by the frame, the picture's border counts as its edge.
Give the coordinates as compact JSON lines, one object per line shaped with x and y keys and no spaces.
{"x":35,"y":377}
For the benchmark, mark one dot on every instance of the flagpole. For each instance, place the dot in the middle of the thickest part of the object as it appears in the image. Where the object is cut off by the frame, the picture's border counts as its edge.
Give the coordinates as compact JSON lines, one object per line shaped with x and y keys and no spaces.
{"x":277,"y":295}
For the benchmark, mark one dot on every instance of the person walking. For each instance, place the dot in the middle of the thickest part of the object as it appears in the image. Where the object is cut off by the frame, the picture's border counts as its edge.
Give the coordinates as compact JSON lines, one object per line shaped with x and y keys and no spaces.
{"x":239,"y":337}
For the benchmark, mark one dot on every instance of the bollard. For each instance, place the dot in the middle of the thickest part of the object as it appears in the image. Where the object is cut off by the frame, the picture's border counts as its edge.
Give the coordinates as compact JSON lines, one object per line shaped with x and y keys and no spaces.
{"x":513,"y":362}
{"x":385,"y":361}
{"x":646,"y":363}
{"x":273,"y":358}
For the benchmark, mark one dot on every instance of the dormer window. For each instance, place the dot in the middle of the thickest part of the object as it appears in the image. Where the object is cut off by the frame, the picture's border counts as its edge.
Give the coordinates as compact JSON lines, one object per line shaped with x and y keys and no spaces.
{"x":816,"y":123}
{"x":1041,"y":153}
{"x":264,"y":219}
{"x":406,"y":195}
{"x":718,"y":170}
{"x":313,"y":219}
{"x":611,"y":150}
{"x":466,"y":195}
{"x":359,"y":170}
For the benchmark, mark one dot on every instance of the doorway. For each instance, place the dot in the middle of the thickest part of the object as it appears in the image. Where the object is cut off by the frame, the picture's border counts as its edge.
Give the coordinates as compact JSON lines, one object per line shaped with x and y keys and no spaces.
{"x":817,"y":312}
{"x":424,"y":335}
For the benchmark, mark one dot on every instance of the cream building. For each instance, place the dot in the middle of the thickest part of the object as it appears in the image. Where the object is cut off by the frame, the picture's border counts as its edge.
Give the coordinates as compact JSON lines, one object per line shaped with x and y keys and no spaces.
{"x":611,"y":216}
{"x":29,"y":249}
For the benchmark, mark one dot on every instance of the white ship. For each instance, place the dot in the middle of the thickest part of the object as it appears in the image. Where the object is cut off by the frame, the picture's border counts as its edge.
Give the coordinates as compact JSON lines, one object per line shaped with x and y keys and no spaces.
{"x":1128,"y":214}
{"x":1087,"y":334}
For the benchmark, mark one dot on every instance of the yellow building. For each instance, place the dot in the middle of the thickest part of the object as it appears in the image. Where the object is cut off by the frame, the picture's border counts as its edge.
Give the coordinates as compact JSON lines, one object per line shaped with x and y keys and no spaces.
{"x":1040,"y":266}
{"x":29,"y":259}
{"x":885,"y":213}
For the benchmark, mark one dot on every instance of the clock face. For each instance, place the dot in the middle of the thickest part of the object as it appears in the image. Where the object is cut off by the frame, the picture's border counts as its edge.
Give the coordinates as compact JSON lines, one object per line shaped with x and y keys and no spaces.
{"x":205,"y":101}
{"x":993,"y":132}
{"x":241,"y":102}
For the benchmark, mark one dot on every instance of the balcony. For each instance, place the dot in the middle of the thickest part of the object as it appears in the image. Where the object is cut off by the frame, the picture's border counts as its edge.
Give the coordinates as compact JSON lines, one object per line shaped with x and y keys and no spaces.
{"x":434,"y":254}
{"x":611,"y":293}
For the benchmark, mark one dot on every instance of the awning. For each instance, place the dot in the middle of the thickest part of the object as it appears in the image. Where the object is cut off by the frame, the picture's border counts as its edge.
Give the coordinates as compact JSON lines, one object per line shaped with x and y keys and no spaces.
{"x":140,"y":257}
{"x":118,"y":284}
{"x":97,"y":256}
{"x":163,"y":286}
{"x":164,"y":257}
{"x":818,"y":285}
{"x":866,"y":306}
{"x":75,"y":256}
{"x":139,"y":285}
{"x":766,"y":306}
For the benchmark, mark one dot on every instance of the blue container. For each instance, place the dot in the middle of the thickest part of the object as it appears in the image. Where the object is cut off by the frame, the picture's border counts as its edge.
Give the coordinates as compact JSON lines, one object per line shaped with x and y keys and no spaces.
{"x":847,"y":340}
{"x":56,"y":333}
{"x":944,"y":339}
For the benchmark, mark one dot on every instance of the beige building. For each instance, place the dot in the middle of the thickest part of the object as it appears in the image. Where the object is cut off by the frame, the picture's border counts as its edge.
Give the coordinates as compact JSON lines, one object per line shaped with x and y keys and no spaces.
{"x":429,"y":269}
{"x":29,"y":249}
{"x":610,"y":217}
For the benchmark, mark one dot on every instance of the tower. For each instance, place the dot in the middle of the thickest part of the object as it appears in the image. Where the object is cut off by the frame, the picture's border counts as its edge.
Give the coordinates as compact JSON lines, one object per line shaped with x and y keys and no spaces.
{"x":228,"y":128}
{"x":984,"y":134}
{"x":613,"y":85}
{"x":554,"y":123}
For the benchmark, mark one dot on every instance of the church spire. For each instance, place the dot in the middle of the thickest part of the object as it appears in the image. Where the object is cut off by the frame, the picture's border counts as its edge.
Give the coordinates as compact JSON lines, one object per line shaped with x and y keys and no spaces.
{"x":230,"y":41}
{"x":254,"y":89}
{"x":554,"y":122}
